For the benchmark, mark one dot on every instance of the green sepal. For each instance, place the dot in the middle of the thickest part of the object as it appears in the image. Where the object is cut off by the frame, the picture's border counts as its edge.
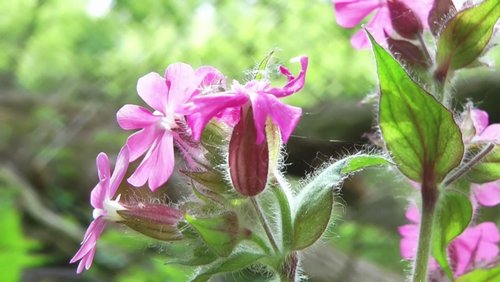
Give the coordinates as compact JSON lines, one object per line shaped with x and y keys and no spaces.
{"x":481,"y":275}
{"x":213,"y":180}
{"x":314,"y":203}
{"x":487,"y":170}
{"x":453,"y":215}
{"x":220,"y":233}
{"x":466,"y":35}
{"x":235,"y":262}
{"x":419,"y":132}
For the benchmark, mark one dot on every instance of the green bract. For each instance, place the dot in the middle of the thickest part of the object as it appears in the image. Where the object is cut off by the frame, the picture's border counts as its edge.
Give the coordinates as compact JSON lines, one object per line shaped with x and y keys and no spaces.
{"x":315,"y":201}
{"x":419,"y":132}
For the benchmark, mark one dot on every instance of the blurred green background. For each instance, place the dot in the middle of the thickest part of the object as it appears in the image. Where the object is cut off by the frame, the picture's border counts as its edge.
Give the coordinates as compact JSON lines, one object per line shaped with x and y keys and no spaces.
{"x":66,"y":67}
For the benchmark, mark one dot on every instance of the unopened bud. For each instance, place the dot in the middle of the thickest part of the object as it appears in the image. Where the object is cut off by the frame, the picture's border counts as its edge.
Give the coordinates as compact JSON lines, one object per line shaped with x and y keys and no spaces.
{"x":404,"y":21}
{"x":248,"y":161}
{"x":440,"y":11}
{"x":154,"y":220}
{"x":408,"y":53}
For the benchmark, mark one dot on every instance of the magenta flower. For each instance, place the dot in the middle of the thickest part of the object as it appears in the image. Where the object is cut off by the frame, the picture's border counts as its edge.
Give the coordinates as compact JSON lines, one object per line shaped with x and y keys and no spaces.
{"x":160,"y":128}
{"x":263,"y":98}
{"x":350,"y":13}
{"x":105,"y":208}
{"x":477,"y":246}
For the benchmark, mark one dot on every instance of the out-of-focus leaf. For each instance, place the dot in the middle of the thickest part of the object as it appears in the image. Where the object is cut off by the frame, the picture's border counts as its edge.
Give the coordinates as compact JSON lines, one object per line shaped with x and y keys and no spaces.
{"x":481,"y":275}
{"x":233,"y":263}
{"x":487,"y":170}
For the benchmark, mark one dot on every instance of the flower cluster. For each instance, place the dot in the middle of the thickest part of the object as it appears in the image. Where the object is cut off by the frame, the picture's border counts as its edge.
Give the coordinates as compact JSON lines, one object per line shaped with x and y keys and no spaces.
{"x":477,"y":246}
{"x":181,"y":104}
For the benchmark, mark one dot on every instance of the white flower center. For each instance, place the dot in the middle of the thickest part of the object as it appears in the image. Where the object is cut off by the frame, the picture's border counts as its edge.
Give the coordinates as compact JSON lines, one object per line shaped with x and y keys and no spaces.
{"x":109,"y":210}
{"x":167,"y":122}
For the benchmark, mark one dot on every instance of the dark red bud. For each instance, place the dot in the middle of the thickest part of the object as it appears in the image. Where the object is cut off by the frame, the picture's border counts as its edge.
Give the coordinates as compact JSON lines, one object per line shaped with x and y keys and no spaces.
{"x":248,"y":161}
{"x":408,"y":53}
{"x":404,"y":21}
{"x":441,"y":10}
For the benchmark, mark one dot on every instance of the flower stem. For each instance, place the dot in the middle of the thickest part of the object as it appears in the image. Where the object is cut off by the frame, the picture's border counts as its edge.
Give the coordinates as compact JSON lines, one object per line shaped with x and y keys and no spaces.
{"x":424,"y":48}
{"x":468,"y":165}
{"x":264,"y":223}
{"x":286,"y":213}
{"x":429,"y":198}
{"x":288,"y":271}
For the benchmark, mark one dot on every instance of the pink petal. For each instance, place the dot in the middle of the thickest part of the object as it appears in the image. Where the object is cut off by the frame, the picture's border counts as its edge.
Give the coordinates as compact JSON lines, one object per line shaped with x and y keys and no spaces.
{"x":139,"y":142}
{"x":121,"y":166}
{"x":409,"y":241}
{"x":87,"y":249}
{"x":152,"y":88}
{"x":209,"y":75}
{"x":97,"y":196}
{"x":350,"y":13}
{"x":165,"y":161}
{"x":413,"y":214}
{"x":480,"y":120}
{"x":284,"y":116}
{"x":102,"y":163}
{"x":487,"y":194}
{"x":489,"y":134}
{"x":376,"y":26}
{"x":181,"y":82}
{"x":157,"y":165}
{"x":294,"y":84}
{"x":131,"y":117}
{"x":203,"y":108}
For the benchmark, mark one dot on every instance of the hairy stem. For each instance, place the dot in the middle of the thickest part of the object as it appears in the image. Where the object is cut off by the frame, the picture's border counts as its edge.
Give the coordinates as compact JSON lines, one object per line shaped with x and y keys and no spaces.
{"x":264,"y":223}
{"x":468,"y":165}
{"x":288,"y":271}
{"x":424,"y":48}
{"x":429,"y":198}
{"x":261,"y":243}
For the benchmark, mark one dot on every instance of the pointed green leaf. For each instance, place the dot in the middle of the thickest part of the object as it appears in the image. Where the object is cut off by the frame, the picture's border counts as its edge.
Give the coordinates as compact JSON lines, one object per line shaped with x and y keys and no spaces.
{"x":453,"y":215}
{"x":263,"y":65}
{"x":314,"y":203}
{"x":233,"y":263}
{"x":481,"y":275}
{"x":466,"y":35}
{"x":419,"y":132}
{"x":220,"y":233}
{"x":487,"y":170}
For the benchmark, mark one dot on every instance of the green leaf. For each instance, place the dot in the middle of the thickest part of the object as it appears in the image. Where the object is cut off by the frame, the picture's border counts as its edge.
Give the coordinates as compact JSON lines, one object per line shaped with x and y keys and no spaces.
{"x":466,"y":35}
{"x":453,"y":215}
{"x":263,"y":65}
{"x":233,"y":263}
{"x":314,"y":203}
{"x":487,"y":170}
{"x":199,"y":255}
{"x":220,"y":233}
{"x":481,"y":275}
{"x":419,"y":132}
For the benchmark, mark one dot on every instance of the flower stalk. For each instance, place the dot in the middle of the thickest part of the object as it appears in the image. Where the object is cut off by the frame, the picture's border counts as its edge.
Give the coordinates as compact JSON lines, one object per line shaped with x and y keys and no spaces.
{"x":264,"y":224}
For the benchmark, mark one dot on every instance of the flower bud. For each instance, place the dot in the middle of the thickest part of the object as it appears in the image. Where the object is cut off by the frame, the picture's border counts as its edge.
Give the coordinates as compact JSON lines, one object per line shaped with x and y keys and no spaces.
{"x":404,"y":21}
{"x":154,"y":220}
{"x":440,"y":11}
{"x":407,"y":52}
{"x":248,"y":161}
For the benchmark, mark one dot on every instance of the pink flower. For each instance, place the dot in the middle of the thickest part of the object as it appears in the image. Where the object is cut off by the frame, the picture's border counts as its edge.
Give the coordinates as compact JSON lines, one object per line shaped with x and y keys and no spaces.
{"x":350,"y":13}
{"x":160,"y":128}
{"x":487,"y":194}
{"x":476,"y":246}
{"x":105,"y":208}
{"x":264,"y":100}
